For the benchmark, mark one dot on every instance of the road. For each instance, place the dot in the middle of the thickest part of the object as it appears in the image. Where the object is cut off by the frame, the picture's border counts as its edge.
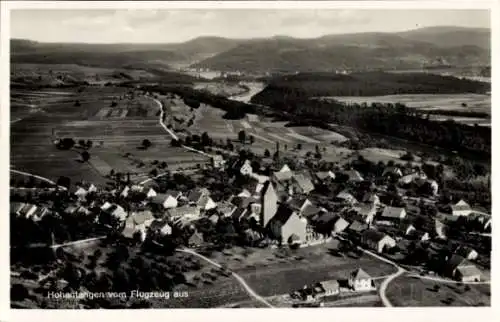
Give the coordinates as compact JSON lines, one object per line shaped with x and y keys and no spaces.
{"x":37,"y":177}
{"x":446,"y":280}
{"x":249,"y":290}
{"x":172,"y":133}
{"x":71,"y":243}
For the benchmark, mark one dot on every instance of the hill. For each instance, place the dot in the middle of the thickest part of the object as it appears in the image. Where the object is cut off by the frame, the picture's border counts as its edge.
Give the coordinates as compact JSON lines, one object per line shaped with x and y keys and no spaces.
{"x":428,"y":47}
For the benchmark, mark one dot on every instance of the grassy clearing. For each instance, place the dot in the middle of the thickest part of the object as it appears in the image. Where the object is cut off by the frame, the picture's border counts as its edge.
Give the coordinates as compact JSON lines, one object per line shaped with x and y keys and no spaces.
{"x":409,"y":291}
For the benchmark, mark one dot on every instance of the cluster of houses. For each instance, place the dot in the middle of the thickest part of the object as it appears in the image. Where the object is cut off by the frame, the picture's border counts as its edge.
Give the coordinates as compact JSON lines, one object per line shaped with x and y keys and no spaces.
{"x":357,"y":281}
{"x":279,"y":204}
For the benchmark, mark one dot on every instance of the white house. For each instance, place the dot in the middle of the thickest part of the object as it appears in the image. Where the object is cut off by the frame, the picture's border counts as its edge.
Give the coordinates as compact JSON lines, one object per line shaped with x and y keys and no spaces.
{"x":360,"y":281}
{"x":285,"y":168}
{"x":461,"y":208}
{"x":246,"y":168}
{"x":377,"y":241}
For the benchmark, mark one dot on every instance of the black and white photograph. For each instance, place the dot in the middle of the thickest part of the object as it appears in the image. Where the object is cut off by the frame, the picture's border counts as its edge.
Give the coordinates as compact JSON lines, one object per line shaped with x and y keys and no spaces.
{"x":232,"y":157}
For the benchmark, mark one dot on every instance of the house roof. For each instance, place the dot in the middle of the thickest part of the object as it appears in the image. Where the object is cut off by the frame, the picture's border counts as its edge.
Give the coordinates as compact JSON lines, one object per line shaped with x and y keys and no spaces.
{"x":182,"y":211}
{"x":173,"y":193}
{"x":326,"y":217}
{"x":158,"y":224}
{"x":297,"y":202}
{"x":392,"y":212}
{"x":392,"y":170}
{"x":128,"y":231}
{"x":365,"y":209}
{"x":469,"y":270}
{"x":225,"y":207}
{"x":243,"y":202}
{"x":16,"y":206}
{"x":142,"y":216}
{"x":238,"y":212}
{"x":346,"y":196}
{"x":373,"y":235}
{"x":283,"y":215}
{"x":357,"y":226}
{"x":463,"y":250}
{"x":341,"y":223}
{"x":330,"y":285}
{"x":195,"y":195}
{"x":159,"y":199}
{"x":360,"y":274}
{"x":283,"y":176}
{"x":311,"y":210}
{"x":303,"y":182}
{"x":196,"y":238}
{"x":371,"y":197}
{"x":285,"y":168}
{"x":354,"y":175}
{"x":455,"y":261}
{"x":322,"y":175}
{"x":460,"y":207}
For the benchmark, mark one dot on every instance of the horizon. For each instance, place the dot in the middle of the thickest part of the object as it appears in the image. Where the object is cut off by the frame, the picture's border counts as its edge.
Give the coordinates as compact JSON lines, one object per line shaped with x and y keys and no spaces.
{"x":150,"y":27}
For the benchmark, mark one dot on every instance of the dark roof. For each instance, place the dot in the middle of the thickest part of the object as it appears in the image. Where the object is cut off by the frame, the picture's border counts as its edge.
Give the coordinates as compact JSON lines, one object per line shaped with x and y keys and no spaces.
{"x":311,"y":210}
{"x":243,"y":202}
{"x":357,"y":226}
{"x":297,"y":202}
{"x":360,"y":274}
{"x":327,"y":217}
{"x":194,"y":195}
{"x":282,"y":215}
{"x":173,"y":193}
{"x":283,"y":176}
{"x":303,"y":182}
{"x":454,"y":261}
{"x":238,"y":212}
{"x":373,"y":235}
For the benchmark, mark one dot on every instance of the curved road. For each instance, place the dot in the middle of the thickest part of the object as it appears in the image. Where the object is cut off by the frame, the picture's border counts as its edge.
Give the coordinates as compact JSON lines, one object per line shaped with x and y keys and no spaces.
{"x":240,"y":279}
{"x":37,"y":177}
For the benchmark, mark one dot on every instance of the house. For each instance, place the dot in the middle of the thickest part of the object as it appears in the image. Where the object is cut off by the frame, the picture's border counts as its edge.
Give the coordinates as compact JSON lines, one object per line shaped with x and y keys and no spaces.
{"x":225,"y":208}
{"x":244,"y":193}
{"x":106,"y":205}
{"x":360,"y":281}
{"x":164,"y":200}
{"x":461,"y":208}
{"x":89,"y":187}
{"x":39,"y":213}
{"x":392,"y":171}
{"x":286,"y":223}
{"x":301,"y":184}
{"x":340,"y":225}
{"x":412,"y":177}
{"x":174,"y":193}
{"x":372,"y":198}
{"x":142,"y":218}
{"x":218,"y":161}
{"x":299,"y":203}
{"x":393,"y":213}
{"x":330,"y":288}
{"x":161,"y":227}
{"x":434,"y":187}
{"x":466,"y":252}
{"x":409,"y":230}
{"x":357,"y":227}
{"x":285,"y":168}
{"x":324,"y":176}
{"x":189,"y":212}
{"x":377,"y":241}
{"x":201,"y":199}
{"x":124,"y":193}
{"x":79,"y":192}
{"x":214,"y":218}
{"x":117,"y":212}
{"x":367,"y":212}
{"x":310,"y":211}
{"x":195,"y":240}
{"x":354,"y":176}
{"x":148,"y":191}
{"x":137,"y":223}
{"x":282,"y":177}
{"x":245,"y":168}
{"x":269,"y":203}
{"x":461,"y":269}
{"x":239,"y":213}
{"x":345,"y":196}
{"x":206,"y":203}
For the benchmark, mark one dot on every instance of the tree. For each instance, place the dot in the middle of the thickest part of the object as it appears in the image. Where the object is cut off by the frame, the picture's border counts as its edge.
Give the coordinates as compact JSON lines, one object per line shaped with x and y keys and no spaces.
{"x":64,"y":182}
{"x":113,"y":104}
{"x":146,"y":143}
{"x":89,"y":143}
{"x":81,"y":143}
{"x":251,"y":139}
{"x":299,"y":146}
{"x":267,"y":154}
{"x":205,"y":139}
{"x":480,"y":169}
{"x":77,"y":103}
{"x":85,"y":156}
{"x":154,"y":172}
{"x":18,"y":292}
{"x":242,"y":136}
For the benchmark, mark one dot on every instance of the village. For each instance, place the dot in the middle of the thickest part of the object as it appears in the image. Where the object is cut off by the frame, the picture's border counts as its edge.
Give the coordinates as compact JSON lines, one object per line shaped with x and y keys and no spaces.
{"x":393,"y":210}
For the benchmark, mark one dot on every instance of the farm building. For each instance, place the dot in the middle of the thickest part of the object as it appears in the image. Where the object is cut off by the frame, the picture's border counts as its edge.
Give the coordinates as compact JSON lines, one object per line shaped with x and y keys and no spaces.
{"x":286,"y":223}
{"x":377,"y":241}
{"x":340,"y":225}
{"x":195,"y":240}
{"x":360,"y":281}
{"x":393,"y":213}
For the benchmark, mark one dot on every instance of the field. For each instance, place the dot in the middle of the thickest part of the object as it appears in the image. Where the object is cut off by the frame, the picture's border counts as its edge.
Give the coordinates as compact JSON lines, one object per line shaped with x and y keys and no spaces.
{"x":271,"y":272}
{"x":409,"y":291}
{"x":435,"y":102}
{"x":115,"y":131}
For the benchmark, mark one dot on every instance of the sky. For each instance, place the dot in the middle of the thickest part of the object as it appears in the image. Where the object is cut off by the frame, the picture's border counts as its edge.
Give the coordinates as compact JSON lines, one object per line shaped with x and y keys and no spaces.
{"x":169,"y":26}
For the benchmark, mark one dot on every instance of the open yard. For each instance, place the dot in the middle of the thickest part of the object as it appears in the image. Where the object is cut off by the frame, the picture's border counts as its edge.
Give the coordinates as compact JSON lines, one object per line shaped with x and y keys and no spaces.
{"x":413,"y":291}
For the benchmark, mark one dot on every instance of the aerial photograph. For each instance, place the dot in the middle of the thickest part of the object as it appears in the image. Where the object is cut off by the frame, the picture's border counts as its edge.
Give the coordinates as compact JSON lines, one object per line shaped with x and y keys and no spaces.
{"x":249,"y":158}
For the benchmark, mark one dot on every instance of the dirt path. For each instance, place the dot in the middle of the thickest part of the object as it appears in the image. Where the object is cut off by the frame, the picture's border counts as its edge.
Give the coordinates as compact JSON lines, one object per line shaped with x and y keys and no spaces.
{"x":249,"y":290}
